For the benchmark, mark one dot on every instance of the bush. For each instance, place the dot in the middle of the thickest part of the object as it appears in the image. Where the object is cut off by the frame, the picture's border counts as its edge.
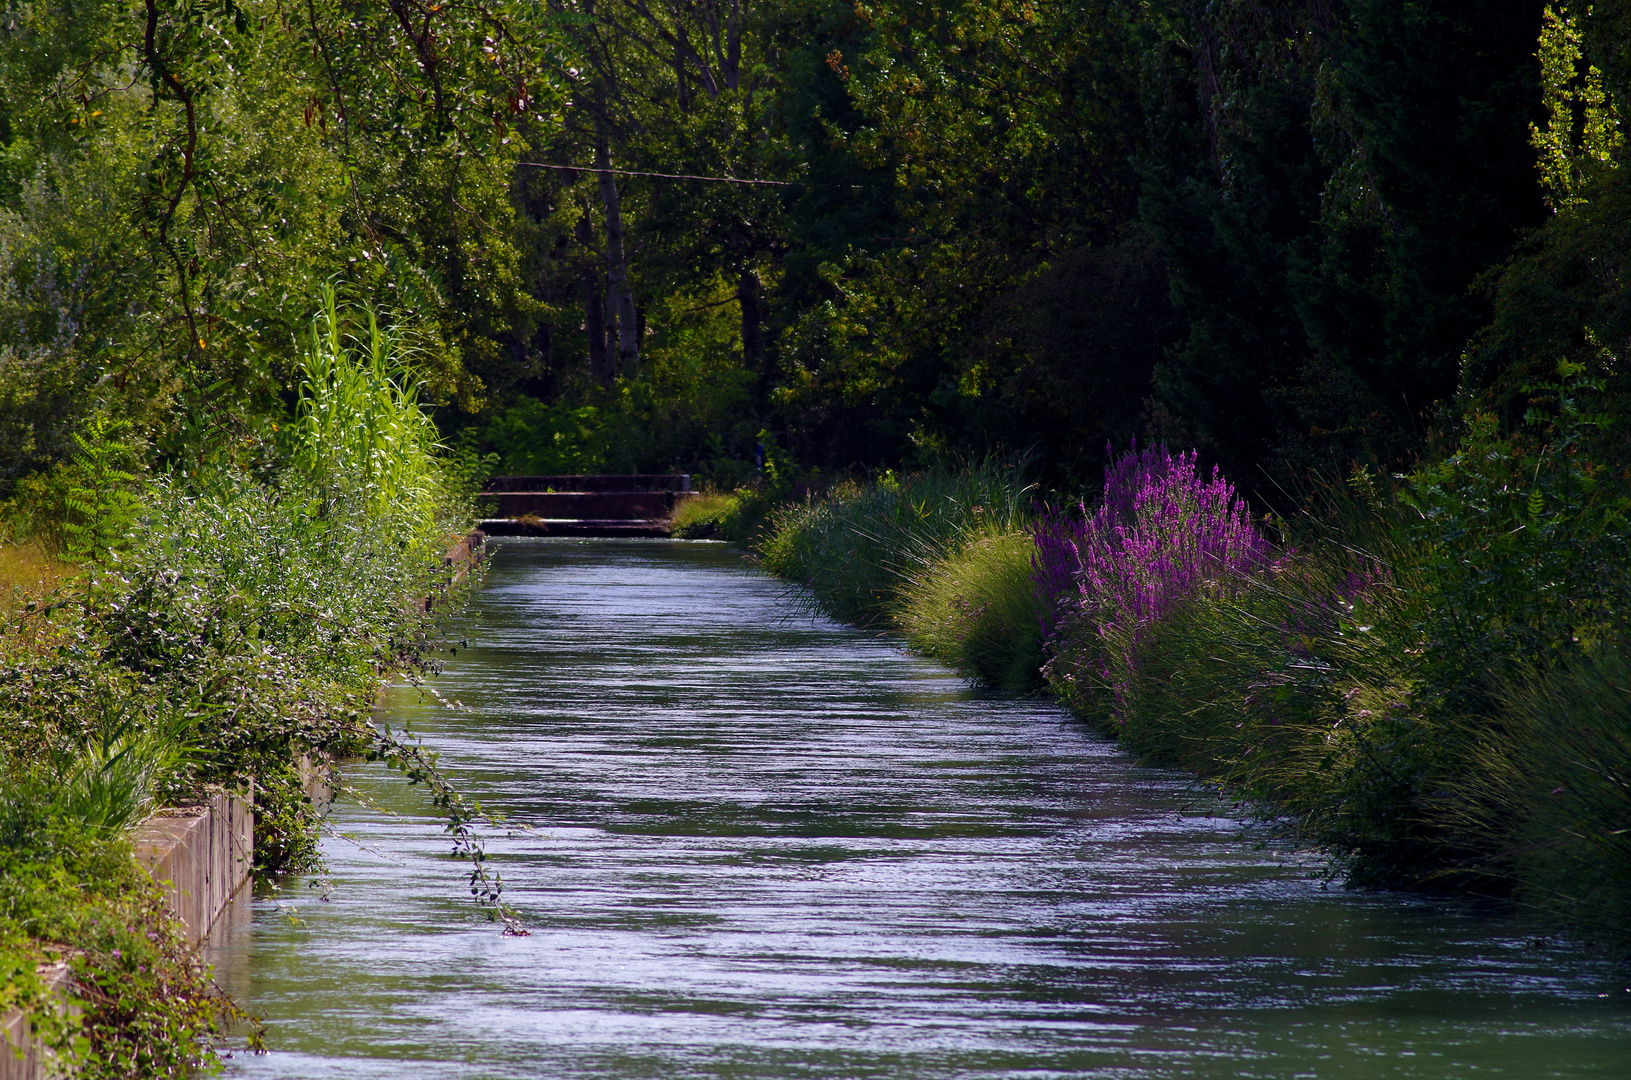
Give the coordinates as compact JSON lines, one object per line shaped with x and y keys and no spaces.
{"x":534,"y":438}
{"x":223,"y":624}
{"x":1163,"y":536}
{"x":1431,"y":681}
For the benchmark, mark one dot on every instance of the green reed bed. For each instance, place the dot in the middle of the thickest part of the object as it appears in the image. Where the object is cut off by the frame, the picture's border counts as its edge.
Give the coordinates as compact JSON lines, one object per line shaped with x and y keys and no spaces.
{"x":976,"y":609}
{"x":858,"y":547}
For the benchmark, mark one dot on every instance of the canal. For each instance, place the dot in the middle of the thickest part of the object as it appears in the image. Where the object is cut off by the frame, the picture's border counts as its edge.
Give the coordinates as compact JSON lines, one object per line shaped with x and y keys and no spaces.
{"x":761,"y":844}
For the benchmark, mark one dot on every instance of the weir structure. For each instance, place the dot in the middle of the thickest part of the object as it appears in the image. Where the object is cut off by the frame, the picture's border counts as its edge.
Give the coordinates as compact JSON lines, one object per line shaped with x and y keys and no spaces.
{"x":640,"y":504}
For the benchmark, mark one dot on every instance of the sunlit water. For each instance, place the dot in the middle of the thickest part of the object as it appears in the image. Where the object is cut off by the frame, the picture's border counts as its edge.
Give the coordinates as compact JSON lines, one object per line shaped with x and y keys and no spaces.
{"x":766,"y":845}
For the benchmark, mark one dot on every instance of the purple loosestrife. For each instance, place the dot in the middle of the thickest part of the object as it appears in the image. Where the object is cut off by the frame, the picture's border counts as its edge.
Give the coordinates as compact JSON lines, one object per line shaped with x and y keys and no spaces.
{"x":1164,"y":534}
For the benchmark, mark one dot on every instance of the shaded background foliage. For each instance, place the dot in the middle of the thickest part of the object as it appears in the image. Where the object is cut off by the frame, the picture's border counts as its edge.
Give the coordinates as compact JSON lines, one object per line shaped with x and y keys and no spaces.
{"x":1297,"y":233}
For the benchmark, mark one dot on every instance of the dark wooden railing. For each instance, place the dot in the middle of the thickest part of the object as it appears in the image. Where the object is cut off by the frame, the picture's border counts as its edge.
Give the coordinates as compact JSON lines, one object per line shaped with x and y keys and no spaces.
{"x":598,"y":505}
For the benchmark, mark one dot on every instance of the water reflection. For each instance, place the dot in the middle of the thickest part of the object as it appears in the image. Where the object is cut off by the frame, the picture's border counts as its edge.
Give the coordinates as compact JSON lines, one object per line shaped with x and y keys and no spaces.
{"x":769,"y":846}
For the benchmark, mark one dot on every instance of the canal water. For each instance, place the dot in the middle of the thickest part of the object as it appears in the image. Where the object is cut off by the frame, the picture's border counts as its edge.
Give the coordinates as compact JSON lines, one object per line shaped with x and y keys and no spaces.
{"x":761,"y":844}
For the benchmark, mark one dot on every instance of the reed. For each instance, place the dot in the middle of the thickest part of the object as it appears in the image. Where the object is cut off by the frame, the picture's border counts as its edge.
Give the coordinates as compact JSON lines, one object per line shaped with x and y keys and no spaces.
{"x":359,"y":421}
{"x":1549,"y":793}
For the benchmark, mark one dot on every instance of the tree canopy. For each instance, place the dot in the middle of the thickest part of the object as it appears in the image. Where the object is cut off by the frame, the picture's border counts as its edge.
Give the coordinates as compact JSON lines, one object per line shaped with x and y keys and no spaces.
{"x":651,"y":234}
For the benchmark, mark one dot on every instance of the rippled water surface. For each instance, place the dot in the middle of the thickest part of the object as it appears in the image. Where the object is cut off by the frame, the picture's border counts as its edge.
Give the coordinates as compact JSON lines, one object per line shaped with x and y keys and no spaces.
{"x":766,"y":845}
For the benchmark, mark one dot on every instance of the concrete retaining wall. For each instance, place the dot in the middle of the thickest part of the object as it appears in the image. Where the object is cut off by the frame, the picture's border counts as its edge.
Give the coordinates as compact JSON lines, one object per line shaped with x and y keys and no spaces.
{"x":200,"y":856}
{"x":35,"y":1064}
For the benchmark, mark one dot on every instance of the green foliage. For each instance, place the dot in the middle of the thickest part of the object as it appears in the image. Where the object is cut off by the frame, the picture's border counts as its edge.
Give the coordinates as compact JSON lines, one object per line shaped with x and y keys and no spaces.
{"x":112,"y":783}
{"x":407,"y":755}
{"x":686,"y":412}
{"x":1521,"y":545}
{"x":709,"y":515}
{"x":976,"y":608}
{"x":538,"y":439}
{"x":148,"y":1008}
{"x":1572,"y":99}
{"x":166,"y":189}
{"x":1567,"y":295}
{"x":1550,"y":793}
{"x":262,"y":608}
{"x":857,"y":548}
{"x":87,"y":507}
{"x":101,"y":504}
{"x":359,"y":420}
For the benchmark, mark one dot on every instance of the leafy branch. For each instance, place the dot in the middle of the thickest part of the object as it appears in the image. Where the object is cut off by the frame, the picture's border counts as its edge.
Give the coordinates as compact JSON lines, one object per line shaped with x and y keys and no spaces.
{"x":408,"y":755}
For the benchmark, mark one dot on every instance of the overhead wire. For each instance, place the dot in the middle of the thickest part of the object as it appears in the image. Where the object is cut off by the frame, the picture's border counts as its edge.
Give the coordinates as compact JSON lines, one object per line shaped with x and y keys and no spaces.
{"x":658,"y":175}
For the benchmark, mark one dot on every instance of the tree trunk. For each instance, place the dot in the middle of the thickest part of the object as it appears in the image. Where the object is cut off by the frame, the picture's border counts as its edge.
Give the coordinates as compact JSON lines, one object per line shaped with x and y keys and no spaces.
{"x":601,"y":368}
{"x":617,"y":271}
{"x":754,"y":357}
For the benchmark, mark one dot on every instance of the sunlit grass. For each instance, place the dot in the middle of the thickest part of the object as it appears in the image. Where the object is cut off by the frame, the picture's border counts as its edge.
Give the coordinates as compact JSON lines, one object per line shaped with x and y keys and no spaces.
{"x":28,"y":571}
{"x":857,"y":548}
{"x":699,"y":515}
{"x":977,"y":610}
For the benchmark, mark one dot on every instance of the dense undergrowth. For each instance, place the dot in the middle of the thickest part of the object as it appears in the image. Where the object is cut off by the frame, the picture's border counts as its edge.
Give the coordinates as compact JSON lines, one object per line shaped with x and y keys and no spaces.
{"x":209,"y":623}
{"x":1429,"y":676}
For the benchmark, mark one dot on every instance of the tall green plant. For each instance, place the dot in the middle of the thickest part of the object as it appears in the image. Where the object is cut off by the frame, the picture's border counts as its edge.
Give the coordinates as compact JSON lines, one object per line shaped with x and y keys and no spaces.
{"x":1550,"y":793}
{"x":112,"y":782}
{"x":859,"y":547}
{"x":1520,"y":543}
{"x":359,"y":423}
{"x":976,"y":608}
{"x":101,"y":505}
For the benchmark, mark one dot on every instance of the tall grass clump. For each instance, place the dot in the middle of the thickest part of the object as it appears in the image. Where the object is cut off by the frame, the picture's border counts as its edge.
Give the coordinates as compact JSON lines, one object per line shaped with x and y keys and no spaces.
{"x":1550,"y":792}
{"x":857,"y":548}
{"x":359,"y":429}
{"x":976,"y":609}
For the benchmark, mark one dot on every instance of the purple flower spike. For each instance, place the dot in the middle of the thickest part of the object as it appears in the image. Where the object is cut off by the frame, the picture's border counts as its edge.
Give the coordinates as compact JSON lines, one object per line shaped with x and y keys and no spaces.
{"x":1163,"y":534}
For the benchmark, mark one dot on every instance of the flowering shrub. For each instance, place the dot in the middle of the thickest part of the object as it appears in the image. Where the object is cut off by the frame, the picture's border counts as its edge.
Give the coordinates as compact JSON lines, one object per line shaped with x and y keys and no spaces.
{"x":1164,"y":534}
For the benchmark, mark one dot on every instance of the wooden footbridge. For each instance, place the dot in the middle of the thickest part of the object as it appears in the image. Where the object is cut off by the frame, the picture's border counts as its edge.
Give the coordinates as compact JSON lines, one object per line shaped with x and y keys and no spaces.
{"x":601,"y":505}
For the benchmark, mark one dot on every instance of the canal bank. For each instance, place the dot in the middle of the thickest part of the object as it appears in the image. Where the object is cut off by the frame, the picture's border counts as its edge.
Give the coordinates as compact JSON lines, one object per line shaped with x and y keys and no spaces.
{"x":769,"y":845}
